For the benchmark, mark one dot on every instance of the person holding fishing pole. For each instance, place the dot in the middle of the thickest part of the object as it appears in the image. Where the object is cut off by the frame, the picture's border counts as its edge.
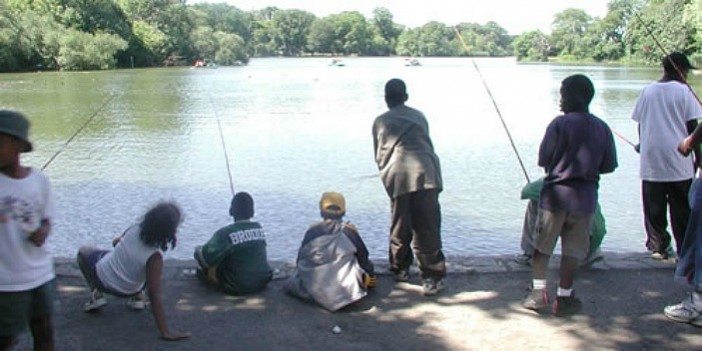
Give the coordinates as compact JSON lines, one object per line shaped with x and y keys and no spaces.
{"x":411,"y":174}
{"x":27,"y":278}
{"x":666,"y":112}
{"x":234,"y":260}
{"x":575,"y":150}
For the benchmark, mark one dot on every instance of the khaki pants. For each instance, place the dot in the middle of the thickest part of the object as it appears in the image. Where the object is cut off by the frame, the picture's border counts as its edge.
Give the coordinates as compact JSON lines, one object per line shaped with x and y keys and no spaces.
{"x":416,"y":226}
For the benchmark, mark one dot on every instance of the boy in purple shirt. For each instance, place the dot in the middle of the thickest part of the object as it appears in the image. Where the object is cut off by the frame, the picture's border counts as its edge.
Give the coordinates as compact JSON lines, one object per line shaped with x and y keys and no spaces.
{"x":576,"y":149}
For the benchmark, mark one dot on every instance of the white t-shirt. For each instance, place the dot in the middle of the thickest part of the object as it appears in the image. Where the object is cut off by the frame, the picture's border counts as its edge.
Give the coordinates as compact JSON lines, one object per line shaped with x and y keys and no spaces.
{"x":24,"y":203}
{"x":124,"y":268}
{"x":662,"y":111}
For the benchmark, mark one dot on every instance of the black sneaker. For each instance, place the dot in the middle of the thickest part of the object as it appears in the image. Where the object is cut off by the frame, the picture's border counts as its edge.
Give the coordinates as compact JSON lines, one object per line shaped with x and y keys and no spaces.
{"x":567,"y":305}
{"x":401,"y":276}
{"x":536,"y":300}
{"x":431,"y":287}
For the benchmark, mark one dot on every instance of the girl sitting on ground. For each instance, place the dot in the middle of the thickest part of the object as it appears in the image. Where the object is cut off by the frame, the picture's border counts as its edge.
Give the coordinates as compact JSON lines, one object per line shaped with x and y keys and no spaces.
{"x":136,"y":263}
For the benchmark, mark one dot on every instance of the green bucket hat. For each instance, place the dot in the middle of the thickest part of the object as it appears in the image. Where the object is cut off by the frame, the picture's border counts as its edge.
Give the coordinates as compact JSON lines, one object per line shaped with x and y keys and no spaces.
{"x":15,"y":124}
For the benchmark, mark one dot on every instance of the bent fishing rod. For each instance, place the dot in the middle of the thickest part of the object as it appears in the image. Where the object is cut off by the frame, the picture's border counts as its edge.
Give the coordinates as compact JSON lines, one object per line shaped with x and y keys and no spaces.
{"x":85,"y":124}
{"x":666,"y":54}
{"x":224,"y":145}
{"x":494,"y":103}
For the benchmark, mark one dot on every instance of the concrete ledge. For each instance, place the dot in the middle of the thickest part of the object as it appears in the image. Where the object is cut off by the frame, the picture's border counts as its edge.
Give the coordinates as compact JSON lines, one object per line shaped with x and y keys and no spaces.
{"x":184,"y":269}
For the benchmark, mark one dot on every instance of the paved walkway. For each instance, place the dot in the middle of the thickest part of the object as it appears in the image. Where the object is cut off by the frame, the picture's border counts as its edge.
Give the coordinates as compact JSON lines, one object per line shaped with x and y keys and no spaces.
{"x":623,"y":298}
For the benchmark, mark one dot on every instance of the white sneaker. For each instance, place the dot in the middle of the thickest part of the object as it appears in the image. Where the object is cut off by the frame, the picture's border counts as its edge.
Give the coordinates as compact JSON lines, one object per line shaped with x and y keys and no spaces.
{"x":684,"y":312}
{"x":137,"y":302}
{"x":97,"y":300}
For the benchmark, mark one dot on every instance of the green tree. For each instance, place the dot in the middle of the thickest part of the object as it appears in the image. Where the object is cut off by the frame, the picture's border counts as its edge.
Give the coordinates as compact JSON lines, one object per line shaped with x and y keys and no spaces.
{"x":531,"y":46}
{"x":432,"y":39}
{"x":321,"y":38}
{"x":291,"y":30}
{"x":606,"y":37}
{"x":204,"y":42}
{"x":569,"y":27}
{"x":231,"y":49}
{"x":386,"y":32}
{"x":408,"y":44}
{"x":224,"y":18}
{"x":668,"y":23}
{"x":81,"y":50}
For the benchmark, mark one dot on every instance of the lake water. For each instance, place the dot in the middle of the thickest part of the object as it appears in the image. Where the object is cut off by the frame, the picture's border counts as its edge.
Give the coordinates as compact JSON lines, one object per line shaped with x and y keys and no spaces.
{"x":295,"y":128}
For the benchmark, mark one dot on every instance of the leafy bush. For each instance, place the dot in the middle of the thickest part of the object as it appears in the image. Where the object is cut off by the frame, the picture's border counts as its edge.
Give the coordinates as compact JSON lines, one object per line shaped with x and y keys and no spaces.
{"x":82,"y":51}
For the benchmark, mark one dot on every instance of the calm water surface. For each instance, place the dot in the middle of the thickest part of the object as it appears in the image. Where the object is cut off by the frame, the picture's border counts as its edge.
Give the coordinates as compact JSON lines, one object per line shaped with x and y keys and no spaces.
{"x":295,"y":128}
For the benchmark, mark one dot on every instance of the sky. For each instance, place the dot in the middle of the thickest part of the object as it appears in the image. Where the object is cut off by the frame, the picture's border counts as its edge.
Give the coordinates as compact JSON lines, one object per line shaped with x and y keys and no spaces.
{"x":516,"y":16}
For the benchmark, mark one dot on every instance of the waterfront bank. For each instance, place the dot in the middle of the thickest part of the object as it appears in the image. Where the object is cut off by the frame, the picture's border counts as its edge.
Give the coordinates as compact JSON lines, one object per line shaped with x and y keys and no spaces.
{"x":623,"y":300}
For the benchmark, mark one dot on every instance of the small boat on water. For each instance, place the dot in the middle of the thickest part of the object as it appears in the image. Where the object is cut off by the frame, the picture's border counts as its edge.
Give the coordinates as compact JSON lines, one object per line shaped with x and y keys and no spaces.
{"x":337,"y":62}
{"x":204,"y":64}
{"x":412,"y":62}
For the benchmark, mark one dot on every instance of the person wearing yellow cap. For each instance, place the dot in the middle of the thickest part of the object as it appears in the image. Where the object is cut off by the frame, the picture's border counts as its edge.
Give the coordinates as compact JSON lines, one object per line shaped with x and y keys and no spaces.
{"x":333,"y":268}
{"x":410,"y":171}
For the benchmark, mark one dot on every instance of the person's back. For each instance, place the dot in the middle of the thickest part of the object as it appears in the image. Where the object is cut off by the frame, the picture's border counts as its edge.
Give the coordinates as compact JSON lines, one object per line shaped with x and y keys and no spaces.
{"x":404,"y":151}
{"x":574,"y":161}
{"x":235,"y":258}
{"x":666,"y":112}
{"x":244,"y":267}
{"x":663,"y":111}
{"x":123,"y":269}
{"x":332,"y":263}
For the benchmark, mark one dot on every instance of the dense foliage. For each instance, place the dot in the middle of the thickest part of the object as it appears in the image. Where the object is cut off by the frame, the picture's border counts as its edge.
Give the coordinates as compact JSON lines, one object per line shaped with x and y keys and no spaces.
{"x":622,"y":35}
{"x":99,"y":34}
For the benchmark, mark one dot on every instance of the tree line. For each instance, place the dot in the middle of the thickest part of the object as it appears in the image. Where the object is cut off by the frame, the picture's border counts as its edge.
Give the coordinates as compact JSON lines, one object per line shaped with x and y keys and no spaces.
{"x":100,"y":34}
{"x":621,"y":35}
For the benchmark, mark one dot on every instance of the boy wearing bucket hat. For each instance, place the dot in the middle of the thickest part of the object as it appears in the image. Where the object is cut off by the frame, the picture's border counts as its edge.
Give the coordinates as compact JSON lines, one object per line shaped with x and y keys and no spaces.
{"x":333,"y":268}
{"x":26,"y":268}
{"x":234,"y":259}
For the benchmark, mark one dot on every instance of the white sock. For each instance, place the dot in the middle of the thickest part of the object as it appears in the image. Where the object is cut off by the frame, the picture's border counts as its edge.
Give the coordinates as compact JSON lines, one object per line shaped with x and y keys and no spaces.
{"x":564,"y":292}
{"x":538,"y":284}
{"x":697,"y":299}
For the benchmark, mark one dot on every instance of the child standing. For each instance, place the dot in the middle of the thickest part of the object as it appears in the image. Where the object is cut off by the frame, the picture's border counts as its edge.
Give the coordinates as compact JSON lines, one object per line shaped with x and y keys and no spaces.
{"x":575,"y":150}
{"x":26,"y":269}
{"x":234,"y":259}
{"x":135,"y":263}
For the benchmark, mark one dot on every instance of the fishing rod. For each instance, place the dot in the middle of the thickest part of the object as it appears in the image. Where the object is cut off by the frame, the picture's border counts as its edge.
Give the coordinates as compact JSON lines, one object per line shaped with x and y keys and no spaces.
{"x":623,"y":138}
{"x":494,"y":103}
{"x":65,"y":145}
{"x":224,"y":145}
{"x":665,"y":52}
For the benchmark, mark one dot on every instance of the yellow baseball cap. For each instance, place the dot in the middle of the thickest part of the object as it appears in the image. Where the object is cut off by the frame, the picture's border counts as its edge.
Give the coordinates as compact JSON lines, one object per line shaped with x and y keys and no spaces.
{"x":333,"y":203}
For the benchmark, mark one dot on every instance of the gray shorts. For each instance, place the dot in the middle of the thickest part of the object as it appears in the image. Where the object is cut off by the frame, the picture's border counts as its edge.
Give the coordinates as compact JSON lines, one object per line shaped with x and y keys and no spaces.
{"x":572,"y":227}
{"x":18,"y":308}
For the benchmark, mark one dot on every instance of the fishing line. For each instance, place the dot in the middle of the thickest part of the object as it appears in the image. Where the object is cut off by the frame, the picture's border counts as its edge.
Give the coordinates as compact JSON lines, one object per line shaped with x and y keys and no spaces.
{"x":224,"y":145}
{"x":494,"y":103}
{"x":65,"y":145}
{"x":665,"y":52}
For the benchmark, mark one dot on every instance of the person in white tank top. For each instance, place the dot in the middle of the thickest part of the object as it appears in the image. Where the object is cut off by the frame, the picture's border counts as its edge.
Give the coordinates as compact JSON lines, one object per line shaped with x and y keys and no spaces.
{"x":135,"y":263}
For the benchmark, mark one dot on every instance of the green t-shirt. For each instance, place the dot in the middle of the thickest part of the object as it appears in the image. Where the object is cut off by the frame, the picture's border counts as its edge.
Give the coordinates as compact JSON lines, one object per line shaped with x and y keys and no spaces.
{"x":239,"y":252}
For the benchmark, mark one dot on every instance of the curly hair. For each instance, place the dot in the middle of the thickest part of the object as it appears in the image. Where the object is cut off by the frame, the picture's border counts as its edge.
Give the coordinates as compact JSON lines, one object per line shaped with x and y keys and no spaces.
{"x":159,"y":226}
